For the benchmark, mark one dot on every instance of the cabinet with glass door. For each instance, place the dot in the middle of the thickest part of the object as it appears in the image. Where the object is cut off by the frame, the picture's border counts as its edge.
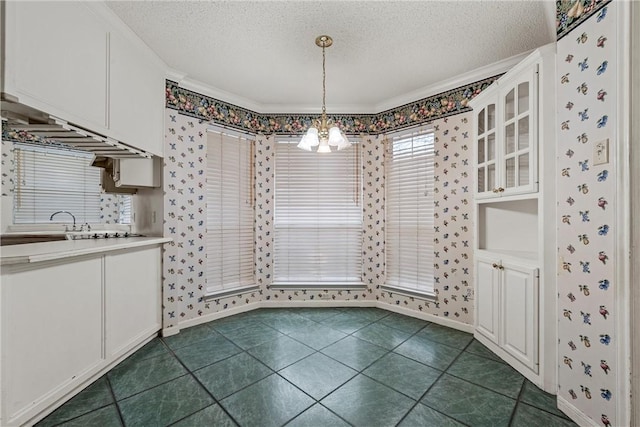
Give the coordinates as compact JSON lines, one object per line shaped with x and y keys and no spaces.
{"x":506,"y":137}
{"x":515,"y":200}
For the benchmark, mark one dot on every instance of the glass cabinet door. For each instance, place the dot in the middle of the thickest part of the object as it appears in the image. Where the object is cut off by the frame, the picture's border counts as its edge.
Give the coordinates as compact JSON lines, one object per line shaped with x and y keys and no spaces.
{"x":517,"y":165}
{"x":486,"y":149}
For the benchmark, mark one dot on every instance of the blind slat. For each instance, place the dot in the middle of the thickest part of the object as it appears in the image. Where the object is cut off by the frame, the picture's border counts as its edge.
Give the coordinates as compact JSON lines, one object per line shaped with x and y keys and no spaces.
{"x":410,"y":211}
{"x":229,"y":212}
{"x":317,"y":216}
{"x":50,"y":179}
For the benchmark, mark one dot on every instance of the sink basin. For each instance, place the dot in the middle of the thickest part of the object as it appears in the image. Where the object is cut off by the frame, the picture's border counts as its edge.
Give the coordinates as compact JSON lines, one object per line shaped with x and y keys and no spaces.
{"x":21,"y":239}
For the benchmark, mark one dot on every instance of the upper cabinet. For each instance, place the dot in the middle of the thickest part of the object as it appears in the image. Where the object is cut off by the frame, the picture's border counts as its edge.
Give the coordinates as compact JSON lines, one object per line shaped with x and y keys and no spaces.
{"x":506,"y":137}
{"x":70,"y":60}
{"x":56,"y":60}
{"x":136,"y":96}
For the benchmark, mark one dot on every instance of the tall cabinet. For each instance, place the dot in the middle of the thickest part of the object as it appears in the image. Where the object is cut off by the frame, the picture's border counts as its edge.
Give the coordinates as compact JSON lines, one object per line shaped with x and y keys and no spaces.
{"x":514,"y":145}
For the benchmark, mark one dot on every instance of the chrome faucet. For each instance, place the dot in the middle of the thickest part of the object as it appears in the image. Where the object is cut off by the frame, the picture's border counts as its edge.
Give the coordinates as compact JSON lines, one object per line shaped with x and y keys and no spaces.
{"x":67,"y":212}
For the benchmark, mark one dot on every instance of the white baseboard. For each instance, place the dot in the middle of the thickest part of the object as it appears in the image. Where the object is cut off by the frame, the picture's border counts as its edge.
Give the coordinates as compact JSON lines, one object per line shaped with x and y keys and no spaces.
{"x":575,"y":415}
{"x":217,"y":315}
{"x":319,"y":304}
{"x":427,"y":317}
{"x":167,"y":332}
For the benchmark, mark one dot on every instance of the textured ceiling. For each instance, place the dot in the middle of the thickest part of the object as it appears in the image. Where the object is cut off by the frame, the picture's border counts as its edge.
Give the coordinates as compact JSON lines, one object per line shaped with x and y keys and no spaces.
{"x":263,"y":56}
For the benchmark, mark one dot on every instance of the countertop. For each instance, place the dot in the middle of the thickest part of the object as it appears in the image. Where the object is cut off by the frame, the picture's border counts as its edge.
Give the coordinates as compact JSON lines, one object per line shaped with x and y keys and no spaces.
{"x":47,"y":251}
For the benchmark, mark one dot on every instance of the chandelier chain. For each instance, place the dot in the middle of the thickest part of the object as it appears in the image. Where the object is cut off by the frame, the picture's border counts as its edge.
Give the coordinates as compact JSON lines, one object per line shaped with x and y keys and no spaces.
{"x":324,"y":90}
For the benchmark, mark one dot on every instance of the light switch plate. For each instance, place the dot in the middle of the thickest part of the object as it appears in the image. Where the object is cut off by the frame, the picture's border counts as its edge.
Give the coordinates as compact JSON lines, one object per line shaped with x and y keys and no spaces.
{"x":601,"y":152}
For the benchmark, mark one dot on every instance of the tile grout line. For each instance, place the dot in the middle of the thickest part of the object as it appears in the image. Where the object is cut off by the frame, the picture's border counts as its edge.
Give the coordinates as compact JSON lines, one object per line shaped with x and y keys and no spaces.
{"x":431,"y":386}
{"x":515,"y":407}
{"x":274,"y":372}
{"x":115,"y":401}
{"x":189,"y":372}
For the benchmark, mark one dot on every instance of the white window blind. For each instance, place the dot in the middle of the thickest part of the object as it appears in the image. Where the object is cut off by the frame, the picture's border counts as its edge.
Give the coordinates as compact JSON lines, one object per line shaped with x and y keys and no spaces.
{"x":50,"y":179}
{"x":409,"y":208}
{"x":229,"y":212}
{"x":317,"y":216}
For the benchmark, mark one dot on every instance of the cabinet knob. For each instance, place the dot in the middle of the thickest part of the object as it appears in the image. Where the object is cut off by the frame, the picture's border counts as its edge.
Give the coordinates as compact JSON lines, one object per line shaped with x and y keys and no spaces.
{"x":495,"y":190}
{"x":498,"y":266}
{"x":500,"y":189}
{"x":494,"y":265}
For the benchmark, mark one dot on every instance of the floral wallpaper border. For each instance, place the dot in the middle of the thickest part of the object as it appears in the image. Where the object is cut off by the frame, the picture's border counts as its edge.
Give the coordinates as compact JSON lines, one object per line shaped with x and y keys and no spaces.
{"x":571,"y":13}
{"x":27,"y":138}
{"x":209,"y":109}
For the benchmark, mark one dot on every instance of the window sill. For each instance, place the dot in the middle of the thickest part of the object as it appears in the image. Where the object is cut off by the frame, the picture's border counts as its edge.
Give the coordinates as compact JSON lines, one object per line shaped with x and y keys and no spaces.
{"x":431,"y":296}
{"x":316,"y":285}
{"x":230,"y":292}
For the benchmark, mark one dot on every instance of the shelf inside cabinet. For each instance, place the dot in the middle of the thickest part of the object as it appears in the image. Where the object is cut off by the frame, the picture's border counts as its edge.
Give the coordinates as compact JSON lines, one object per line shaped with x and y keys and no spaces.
{"x":509,"y":227}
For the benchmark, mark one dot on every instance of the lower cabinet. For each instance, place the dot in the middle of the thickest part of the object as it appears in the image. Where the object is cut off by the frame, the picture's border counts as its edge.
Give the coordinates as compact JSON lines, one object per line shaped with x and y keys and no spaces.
{"x":507,"y":308}
{"x":66,"y":322}
{"x":133,"y":295}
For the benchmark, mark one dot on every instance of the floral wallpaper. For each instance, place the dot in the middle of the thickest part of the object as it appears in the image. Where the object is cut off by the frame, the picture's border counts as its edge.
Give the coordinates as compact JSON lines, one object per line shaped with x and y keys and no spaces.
{"x":571,"y":13}
{"x":184,"y":265}
{"x":7,"y":165}
{"x":219,"y":112}
{"x":373,"y":215}
{"x":454,"y":222}
{"x":586,"y":67}
{"x":264,"y":173}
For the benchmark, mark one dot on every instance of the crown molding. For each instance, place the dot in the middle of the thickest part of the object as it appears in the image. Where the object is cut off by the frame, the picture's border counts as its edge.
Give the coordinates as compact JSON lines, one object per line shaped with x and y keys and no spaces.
{"x":494,"y":69}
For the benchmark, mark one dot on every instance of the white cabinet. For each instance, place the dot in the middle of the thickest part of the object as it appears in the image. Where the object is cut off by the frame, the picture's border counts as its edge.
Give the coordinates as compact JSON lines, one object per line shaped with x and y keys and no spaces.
{"x":51,"y":333}
{"x":66,"y":322}
{"x":507,"y":308}
{"x":136,"y":101}
{"x":56,"y":60}
{"x":506,"y":136}
{"x":72,"y":61}
{"x":132,"y":298}
{"x":518,"y":119}
{"x":487,"y":300}
{"x":515,"y":244}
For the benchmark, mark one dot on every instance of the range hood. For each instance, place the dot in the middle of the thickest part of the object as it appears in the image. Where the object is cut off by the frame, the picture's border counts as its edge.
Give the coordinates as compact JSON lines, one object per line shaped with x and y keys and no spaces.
{"x":26,"y":121}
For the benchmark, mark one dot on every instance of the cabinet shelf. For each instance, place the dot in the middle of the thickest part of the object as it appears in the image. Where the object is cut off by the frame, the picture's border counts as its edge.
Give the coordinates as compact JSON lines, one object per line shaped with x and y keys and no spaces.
{"x":509,"y":227}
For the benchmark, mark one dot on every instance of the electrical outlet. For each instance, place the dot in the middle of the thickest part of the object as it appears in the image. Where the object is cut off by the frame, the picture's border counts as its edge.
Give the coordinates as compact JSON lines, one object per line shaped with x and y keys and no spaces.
{"x":601,"y":152}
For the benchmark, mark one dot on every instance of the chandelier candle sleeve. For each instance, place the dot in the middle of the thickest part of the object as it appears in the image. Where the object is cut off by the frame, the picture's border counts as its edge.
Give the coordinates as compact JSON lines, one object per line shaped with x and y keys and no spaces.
{"x":324,"y":134}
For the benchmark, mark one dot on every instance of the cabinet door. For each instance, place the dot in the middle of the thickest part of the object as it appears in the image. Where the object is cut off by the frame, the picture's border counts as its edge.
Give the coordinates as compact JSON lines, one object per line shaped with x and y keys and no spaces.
{"x":519,"y":289}
{"x":56,"y":60}
{"x":487,"y":300}
{"x":136,"y":96}
{"x":133,"y":289}
{"x":486,"y":152}
{"x":52,"y":333}
{"x":518,"y":164}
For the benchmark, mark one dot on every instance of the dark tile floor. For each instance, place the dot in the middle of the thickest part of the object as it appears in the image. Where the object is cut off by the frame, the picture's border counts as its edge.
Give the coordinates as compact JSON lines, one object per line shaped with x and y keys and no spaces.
{"x":312,"y":367}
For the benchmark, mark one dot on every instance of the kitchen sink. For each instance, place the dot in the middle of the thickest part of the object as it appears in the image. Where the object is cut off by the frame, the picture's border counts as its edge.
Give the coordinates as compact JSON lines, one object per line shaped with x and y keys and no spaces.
{"x":20,"y":239}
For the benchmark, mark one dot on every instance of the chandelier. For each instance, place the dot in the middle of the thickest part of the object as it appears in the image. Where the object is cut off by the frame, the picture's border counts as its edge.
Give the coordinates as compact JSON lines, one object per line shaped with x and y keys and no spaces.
{"x":324,"y":134}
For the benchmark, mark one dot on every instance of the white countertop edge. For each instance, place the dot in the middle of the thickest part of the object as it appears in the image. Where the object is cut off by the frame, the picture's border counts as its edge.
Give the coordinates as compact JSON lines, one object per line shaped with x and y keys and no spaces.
{"x":47,"y":251}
